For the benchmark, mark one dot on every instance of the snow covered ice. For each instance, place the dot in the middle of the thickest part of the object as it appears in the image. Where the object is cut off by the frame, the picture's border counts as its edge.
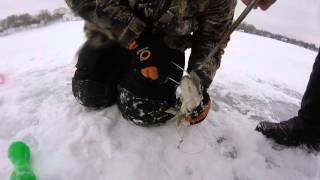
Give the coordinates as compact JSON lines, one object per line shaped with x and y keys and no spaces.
{"x":260,"y":79}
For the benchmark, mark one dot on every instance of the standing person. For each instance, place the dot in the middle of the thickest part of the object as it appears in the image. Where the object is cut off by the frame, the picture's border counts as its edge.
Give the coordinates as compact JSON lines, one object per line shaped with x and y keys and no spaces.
{"x":305,"y":128}
{"x":135,"y":50}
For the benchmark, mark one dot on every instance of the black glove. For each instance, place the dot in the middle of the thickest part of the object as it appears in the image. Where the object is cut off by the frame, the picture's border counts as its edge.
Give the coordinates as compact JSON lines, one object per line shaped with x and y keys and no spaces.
{"x":150,"y":57}
{"x":148,"y":76}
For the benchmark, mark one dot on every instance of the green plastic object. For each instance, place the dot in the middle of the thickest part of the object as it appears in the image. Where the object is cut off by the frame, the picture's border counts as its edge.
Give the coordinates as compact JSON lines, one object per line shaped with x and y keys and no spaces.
{"x":19,"y":155}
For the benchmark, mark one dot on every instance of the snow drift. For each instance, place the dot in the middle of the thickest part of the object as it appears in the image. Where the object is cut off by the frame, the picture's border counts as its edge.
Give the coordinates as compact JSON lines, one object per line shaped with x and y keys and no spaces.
{"x":260,"y":79}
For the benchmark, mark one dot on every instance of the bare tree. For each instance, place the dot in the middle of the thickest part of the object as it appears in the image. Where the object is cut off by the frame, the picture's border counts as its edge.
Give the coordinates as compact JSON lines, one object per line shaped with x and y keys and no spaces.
{"x":44,"y":16}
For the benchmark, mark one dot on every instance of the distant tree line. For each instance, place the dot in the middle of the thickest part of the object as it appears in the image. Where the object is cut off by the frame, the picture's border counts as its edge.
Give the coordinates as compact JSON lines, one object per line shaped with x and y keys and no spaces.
{"x":15,"y":23}
{"x":249,"y":28}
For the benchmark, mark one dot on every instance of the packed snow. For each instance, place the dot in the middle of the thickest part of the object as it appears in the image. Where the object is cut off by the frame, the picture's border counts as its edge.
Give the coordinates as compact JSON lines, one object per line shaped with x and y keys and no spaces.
{"x":260,"y":79}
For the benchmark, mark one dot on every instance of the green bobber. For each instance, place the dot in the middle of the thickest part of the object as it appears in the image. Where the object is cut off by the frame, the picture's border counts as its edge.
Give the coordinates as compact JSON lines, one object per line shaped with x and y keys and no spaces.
{"x":19,"y":154}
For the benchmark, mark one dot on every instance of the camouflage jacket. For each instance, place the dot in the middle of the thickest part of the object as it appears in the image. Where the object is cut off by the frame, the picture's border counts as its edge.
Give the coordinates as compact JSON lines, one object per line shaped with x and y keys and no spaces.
{"x":123,"y":21}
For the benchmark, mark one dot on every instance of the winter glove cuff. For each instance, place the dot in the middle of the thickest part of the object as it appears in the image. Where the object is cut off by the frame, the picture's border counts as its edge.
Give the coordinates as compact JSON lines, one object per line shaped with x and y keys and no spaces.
{"x":201,"y":111}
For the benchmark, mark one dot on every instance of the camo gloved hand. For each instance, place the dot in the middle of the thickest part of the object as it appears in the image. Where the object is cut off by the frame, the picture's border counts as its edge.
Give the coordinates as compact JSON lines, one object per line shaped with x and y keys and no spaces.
{"x":195,"y":102}
{"x":191,"y":92}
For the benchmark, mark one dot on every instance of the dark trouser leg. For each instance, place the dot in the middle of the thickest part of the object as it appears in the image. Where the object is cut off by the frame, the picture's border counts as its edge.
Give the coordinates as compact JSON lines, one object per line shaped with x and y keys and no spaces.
{"x":310,"y":106}
{"x":303,"y":129}
{"x":99,"y":71}
{"x":146,"y":102}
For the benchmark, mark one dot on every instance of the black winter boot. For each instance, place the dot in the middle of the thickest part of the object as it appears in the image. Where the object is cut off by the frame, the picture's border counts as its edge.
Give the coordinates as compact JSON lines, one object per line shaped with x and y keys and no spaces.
{"x":293,"y":132}
{"x":304,"y":129}
{"x":147,"y":91}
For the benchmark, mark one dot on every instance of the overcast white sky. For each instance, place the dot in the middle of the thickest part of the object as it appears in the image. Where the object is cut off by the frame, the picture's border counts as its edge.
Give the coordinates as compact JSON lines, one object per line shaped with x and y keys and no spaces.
{"x":295,"y":18}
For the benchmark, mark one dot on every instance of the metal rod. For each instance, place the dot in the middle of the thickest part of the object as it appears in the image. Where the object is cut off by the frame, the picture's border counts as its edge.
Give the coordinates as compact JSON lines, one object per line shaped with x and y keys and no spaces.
{"x":171,"y":79}
{"x":228,"y":32}
{"x":179,"y":67}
